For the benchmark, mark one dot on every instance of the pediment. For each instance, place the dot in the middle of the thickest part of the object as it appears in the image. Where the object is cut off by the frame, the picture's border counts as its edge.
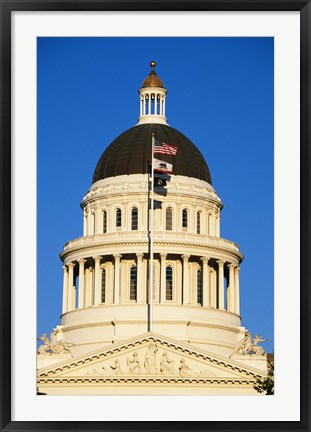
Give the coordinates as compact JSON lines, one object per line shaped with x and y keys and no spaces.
{"x":150,"y":357}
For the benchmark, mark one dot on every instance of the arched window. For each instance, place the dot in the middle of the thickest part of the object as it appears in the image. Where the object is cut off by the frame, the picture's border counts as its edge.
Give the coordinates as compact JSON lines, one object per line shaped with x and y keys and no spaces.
{"x":133,"y":283}
{"x":169,"y":283}
{"x":118,"y":218}
{"x":104,"y":221}
{"x":199,"y":223}
{"x":134,"y":218}
{"x":184,"y":218}
{"x":169,"y":219}
{"x":103,"y":289}
{"x":199,"y":286}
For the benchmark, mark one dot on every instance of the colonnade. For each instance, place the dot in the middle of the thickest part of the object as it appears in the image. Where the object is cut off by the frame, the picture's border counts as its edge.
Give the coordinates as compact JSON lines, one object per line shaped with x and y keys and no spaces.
{"x":155,"y":108}
{"x":220,"y":281}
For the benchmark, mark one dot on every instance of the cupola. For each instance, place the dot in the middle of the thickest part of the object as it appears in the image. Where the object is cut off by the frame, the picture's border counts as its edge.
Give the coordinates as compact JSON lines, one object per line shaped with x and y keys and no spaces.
{"x":152,"y":99}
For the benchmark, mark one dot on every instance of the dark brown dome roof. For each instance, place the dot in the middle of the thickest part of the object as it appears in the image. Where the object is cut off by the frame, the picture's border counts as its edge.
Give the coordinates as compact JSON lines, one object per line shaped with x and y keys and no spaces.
{"x":130,"y":151}
{"x":152,"y":79}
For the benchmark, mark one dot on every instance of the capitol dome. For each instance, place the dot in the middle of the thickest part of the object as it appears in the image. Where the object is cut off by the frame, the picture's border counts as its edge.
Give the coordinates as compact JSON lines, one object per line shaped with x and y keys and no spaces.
{"x":130,"y":152}
{"x":150,"y":288}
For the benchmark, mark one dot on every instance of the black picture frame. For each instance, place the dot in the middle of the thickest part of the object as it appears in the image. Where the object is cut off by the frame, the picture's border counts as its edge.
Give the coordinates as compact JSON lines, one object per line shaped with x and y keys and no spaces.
{"x":9,"y":6}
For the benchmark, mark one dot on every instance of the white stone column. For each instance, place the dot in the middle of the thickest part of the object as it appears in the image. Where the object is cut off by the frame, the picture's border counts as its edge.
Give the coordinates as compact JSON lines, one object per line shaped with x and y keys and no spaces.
{"x":70,"y":286}
{"x":124,"y":282}
{"x":149,"y":104}
{"x":97,"y":293}
{"x":116,"y":297}
{"x":205,"y":282}
{"x":186,"y":288}
{"x":163,"y":278}
{"x":81,"y":284}
{"x":139,"y":257}
{"x":230,"y":306}
{"x":221,"y":294}
{"x":178,"y":282}
{"x":65,"y":289}
{"x":236,"y":290}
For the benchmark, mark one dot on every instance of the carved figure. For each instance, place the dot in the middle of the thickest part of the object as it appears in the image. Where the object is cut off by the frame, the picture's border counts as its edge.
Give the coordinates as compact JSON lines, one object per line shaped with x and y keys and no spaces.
{"x":116,"y":368}
{"x":184,"y":370}
{"x":93,"y":372}
{"x":254,"y":348}
{"x":134,"y":364}
{"x":52,"y":345}
{"x":249,"y":346}
{"x":243,"y":345}
{"x":166,"y":365}
{"x":43,"y":349}
{"x":58,"y":347}
{"x":150,"y":358}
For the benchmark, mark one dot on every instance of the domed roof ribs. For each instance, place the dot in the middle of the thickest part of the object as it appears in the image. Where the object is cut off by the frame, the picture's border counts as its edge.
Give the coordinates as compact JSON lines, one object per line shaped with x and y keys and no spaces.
{"x":135,"y":146}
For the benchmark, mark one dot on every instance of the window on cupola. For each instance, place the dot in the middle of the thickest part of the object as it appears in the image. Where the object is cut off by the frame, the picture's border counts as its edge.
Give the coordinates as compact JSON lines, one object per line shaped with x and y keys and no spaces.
{"x":133,"y":283}
{"x":185,"y":218}
{"x":134,"y":218}
{"x":104,"y":221}
{"x":199,"y":223}
{"x":118,"y":218}
{"x":169,"y":283}
{"x":169,"y":219}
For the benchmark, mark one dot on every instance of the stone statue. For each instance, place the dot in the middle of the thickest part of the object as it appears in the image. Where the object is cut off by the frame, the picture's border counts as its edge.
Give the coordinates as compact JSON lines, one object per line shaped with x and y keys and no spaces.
{"x":243,"y":345}
{"x":184,"y":370}
{"x":249,"y":346}
{"x":116,"y":368}
{"x":150,"y":358}
{"x":254,"y":348}
{"x":134,"y":364}
{"x":166,"y":365}
{"x":52,"y":345}
{"x":46,"y":347}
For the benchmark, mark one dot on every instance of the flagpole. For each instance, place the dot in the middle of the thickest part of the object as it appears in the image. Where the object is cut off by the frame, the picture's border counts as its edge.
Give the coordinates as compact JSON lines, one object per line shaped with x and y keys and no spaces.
{"x":151,"y":236}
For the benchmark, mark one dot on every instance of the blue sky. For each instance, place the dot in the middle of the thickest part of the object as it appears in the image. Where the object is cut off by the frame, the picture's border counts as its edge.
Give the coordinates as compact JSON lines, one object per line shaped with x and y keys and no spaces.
{"x":220,"y":95}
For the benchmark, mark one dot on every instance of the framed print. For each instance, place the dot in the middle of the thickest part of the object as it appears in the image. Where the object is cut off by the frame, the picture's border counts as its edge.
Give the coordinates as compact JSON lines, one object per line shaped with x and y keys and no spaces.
{"x":130,"y":288}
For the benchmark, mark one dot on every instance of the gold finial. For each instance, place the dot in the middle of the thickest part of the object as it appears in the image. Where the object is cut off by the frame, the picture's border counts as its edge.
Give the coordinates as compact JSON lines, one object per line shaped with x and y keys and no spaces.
{"x":153,"y":64}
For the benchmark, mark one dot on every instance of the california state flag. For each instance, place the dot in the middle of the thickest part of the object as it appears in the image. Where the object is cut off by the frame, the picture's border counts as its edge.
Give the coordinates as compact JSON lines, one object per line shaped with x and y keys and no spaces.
{"x":162,"y":166}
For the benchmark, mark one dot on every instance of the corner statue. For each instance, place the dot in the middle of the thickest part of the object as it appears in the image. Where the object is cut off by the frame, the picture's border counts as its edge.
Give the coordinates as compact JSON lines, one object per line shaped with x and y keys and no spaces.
{"x":52,"y":345}
{"x":249,"y":346}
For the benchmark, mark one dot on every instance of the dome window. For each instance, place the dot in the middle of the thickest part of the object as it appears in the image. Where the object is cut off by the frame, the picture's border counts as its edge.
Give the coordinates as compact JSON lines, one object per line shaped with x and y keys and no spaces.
{"x":185,"y":218}
{"x":118,"y":218}
{"x":199,"y":223}
{"x":133,"y":283}
{"x":169,"y":219}
{"x":169,"y":283}
{"x":104,"y":221}
{"x":134,"y":219}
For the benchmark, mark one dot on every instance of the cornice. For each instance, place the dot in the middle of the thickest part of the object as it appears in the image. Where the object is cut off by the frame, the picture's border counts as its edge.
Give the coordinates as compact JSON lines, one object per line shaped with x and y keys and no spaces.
{"x":146,"y":380}
{"x":160,"y":244}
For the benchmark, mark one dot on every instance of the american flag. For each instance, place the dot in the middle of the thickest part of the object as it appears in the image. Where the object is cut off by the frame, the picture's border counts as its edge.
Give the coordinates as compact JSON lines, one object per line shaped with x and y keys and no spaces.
{"x":163,"y":148}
